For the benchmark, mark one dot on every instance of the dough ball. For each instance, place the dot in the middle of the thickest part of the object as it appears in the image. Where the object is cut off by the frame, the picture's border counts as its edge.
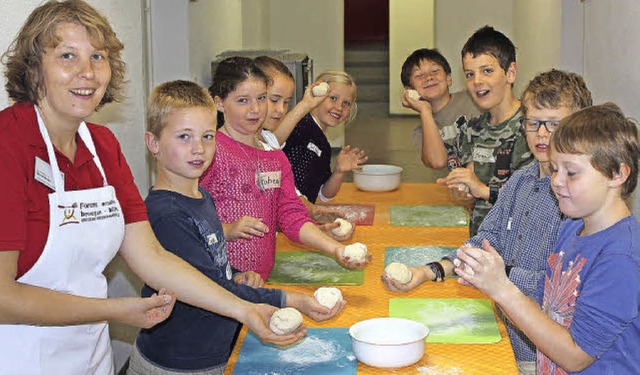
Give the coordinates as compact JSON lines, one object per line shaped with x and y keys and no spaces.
{"x":343,"y":229}
{"x":463,"y":187}
{"x":413,"y":94}
{"x":328,"y":297}
{"x":285,"y":321}
{"x":320,"y":90}
{"x":399,"y":272}
{"x":357,"y":252}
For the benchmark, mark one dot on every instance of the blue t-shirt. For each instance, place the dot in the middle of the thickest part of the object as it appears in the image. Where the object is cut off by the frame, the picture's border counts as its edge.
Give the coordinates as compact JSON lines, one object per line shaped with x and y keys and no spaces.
{"x":193,"y":338}
{"x":592,"y":287}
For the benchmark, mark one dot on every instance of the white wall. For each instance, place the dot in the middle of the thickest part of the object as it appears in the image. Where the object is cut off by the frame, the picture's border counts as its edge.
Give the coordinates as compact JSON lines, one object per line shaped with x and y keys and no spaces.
{"x":456,"y":20}
{"x":410,"y":28}
{"x":611,"y":57}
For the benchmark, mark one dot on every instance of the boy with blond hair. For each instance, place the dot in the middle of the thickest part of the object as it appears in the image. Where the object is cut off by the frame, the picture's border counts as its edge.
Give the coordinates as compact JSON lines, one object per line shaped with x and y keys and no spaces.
{"x":590,"y":320}
{"x":526,"y":202}
{"x":491,"y":146}
{"x":181,"y":136}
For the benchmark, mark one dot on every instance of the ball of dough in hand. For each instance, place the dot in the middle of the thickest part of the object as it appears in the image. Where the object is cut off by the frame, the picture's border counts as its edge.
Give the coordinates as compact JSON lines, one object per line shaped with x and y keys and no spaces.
{"x":343,"y":229}
{"x":413,"y":94}
{"x":321,"y":89}
{"x":285,"y":321}
{"x":463,"y":187}
{"x":399,"y":272}
{"x":357,"y":252}
{"x":328,"y":297}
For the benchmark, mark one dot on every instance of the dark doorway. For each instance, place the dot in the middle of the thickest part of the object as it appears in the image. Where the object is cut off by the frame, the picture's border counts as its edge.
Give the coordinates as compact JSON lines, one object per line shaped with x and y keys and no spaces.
{"x":366,"y":21}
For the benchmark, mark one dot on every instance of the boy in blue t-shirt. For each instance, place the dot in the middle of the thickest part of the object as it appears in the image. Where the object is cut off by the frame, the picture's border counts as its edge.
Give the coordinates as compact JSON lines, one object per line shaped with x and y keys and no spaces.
{"x":181,"y":137}
{"x":590,"y":320}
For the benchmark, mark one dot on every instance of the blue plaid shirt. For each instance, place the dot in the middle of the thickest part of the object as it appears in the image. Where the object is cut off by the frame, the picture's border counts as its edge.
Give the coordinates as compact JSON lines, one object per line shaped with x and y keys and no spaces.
{"x":523,"y":226}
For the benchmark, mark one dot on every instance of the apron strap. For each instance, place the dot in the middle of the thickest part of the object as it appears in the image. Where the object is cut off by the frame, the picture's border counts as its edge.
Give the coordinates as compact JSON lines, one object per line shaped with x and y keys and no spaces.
{"x":83,"y":131}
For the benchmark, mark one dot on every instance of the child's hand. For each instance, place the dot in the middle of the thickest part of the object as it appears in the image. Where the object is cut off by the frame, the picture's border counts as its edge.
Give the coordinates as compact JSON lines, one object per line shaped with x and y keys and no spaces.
{"x":460,"y":180}
{"x":328,"y":230}
{"x":246,"y":227}
{"x":417,"y":105}
{"x":344,"y":261}
{"x":249,"y":278}
{"x":310,"y":307}
{"x":324,"y":215}
{"x":418,"y":276}
{"x":483,"y":269}
{"x":309,"y":101}
{"x":350,"y":159}
{"x":257,"y":318}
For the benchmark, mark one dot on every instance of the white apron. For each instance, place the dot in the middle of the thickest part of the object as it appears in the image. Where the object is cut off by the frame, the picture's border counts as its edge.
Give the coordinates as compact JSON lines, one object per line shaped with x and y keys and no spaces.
{"x":86,"y":229}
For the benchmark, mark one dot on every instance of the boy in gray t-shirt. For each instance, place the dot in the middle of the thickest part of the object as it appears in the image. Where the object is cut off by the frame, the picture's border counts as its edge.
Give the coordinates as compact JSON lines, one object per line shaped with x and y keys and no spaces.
{"x":441,"y":113}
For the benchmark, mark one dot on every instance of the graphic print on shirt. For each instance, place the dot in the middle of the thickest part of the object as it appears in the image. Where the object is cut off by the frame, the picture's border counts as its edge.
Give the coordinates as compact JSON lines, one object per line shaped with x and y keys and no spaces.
{"x":559,"y":301}
{"x":217,"y":250}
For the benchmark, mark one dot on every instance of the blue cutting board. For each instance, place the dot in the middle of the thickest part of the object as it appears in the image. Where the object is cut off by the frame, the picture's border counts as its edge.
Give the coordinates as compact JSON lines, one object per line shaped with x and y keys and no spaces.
{"x":322,"y":351}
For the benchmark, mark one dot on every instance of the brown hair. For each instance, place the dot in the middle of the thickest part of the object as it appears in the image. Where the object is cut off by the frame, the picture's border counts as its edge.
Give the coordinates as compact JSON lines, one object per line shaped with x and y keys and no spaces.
{"x":556,"y":88}
{"x":603,"y":132}
{"x":23,"y":59}
{"x":271,"y":66}
{"x":174,"y":95}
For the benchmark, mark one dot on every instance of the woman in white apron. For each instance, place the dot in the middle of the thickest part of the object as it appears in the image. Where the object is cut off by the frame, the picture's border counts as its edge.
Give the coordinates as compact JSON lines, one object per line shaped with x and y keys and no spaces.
{"x":69,"y":205}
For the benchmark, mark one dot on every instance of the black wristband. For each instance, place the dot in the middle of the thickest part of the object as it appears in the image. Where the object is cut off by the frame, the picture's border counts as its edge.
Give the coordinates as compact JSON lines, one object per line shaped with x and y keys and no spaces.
{"x":507,"y":270}
{"x":437,"y":270}
{"x":493,"y":193}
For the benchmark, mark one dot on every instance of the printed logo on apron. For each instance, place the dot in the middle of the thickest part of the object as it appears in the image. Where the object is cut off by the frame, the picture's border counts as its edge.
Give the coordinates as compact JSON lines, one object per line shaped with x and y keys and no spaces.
{"x":86,"y":229}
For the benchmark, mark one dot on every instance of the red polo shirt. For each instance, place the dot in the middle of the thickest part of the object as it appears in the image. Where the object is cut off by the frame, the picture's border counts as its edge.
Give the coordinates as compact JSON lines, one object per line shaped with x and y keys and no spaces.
{"x":24,"y":202}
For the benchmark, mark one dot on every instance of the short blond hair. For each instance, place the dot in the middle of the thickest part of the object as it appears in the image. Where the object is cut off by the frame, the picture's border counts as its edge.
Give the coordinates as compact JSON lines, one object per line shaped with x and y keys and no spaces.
{"x":23,"y":59}
{"x":338,"y":76}
{"x":170,"y":96}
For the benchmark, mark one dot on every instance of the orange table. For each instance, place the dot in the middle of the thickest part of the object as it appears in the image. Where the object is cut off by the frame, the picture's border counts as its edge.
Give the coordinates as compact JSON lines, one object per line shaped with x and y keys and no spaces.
{"x":371,"y":299}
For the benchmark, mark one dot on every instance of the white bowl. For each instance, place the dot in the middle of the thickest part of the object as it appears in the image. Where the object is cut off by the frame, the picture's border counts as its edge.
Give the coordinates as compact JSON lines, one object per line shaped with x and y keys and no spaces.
{"x":378,"y":177}
{"x":388,"y":342}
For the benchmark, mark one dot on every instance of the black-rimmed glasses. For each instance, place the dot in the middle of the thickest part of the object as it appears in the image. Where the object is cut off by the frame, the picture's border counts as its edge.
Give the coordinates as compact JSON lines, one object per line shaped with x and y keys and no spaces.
{"x":532,"y":125}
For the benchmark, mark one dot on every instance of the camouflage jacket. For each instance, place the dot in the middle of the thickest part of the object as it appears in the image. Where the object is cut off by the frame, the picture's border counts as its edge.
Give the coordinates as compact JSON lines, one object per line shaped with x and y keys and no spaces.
{"x":496,"y":152}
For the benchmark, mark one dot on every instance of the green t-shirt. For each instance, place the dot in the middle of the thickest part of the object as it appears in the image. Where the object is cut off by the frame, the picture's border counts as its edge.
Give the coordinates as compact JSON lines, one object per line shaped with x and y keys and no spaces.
{"x":496,"y":152}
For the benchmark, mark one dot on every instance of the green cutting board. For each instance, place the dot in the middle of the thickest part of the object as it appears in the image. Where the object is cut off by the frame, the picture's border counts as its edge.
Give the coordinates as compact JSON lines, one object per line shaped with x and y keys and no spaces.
{"x":450,"y":320}
{"x":310,"y":268}
{"x":429,"y":216}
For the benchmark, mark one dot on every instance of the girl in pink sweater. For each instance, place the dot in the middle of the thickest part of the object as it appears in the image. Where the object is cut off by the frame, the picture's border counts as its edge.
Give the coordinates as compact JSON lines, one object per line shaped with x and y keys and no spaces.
{"x":253,"y":188}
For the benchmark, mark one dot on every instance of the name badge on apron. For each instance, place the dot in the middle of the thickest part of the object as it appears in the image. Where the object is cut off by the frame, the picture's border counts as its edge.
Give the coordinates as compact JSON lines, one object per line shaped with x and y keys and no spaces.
{"x":42,"y":174}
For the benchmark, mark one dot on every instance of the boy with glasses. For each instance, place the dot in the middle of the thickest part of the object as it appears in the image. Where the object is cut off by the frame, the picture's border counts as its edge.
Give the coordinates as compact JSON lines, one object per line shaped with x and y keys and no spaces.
{"x":526,"y":203}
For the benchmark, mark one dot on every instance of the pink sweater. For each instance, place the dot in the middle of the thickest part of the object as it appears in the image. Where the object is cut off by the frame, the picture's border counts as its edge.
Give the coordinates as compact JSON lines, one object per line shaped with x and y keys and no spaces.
{"x":231,"y":180}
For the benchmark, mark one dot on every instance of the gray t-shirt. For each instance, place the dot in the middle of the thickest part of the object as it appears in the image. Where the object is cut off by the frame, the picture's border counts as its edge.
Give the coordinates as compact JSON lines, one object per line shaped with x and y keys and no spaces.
{"x":449,"y":120}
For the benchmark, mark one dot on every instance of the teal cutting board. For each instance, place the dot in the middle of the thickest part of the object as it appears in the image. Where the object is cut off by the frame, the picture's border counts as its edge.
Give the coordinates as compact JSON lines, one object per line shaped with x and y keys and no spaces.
{"x":450,"y":320}
{"x":417,"y":255}
{"x":429,"y":216}
{"x":310,"y":268}
{"x":322,"y":351}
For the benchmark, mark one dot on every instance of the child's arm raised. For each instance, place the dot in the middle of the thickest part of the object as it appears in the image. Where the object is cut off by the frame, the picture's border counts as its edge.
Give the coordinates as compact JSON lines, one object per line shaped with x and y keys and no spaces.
{"x":348,"y":159}
{"x":291,"y":119}
{"x":551,"y":338}
{"x":433,"y":153}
